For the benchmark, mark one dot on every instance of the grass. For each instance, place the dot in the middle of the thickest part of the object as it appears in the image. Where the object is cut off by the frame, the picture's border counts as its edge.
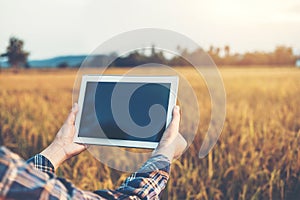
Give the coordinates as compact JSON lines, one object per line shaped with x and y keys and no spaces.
{"x":256,"y":157}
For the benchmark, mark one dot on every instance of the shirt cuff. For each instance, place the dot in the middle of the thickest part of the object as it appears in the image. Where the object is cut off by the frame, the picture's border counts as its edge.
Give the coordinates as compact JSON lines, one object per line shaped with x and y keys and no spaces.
{"x":157,"y":162}
{"x":149,"y":180}
{"x":41,"y":163}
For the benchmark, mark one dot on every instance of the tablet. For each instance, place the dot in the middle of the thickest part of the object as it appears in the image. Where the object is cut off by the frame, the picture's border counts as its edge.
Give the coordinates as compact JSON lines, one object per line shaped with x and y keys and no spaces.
{"x":126,"y":111}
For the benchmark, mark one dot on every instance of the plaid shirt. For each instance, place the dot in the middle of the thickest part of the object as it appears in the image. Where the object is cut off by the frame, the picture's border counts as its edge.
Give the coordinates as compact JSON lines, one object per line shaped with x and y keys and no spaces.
{"x":35,"y":179}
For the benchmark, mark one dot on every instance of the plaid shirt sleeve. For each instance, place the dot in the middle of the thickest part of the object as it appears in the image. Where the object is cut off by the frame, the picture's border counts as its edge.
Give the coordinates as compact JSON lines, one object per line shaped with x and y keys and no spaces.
{"x":41,"y":163}
{"x":36,"y":180}
{"x":146,"y":183}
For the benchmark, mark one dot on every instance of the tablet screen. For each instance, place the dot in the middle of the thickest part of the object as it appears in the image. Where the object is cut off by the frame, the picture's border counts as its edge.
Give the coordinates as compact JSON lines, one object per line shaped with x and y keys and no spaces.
{"x":98,"y":117}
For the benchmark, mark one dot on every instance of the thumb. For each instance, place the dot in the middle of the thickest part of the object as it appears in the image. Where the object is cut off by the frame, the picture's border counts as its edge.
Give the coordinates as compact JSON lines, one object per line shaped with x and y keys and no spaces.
{"x":172,"y":131}
{"x":71,"y":117}
{"x":174,"y":125}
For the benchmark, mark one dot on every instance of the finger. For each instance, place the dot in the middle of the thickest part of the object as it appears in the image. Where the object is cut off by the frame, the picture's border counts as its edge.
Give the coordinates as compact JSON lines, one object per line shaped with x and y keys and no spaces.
{"x":174,"y":125}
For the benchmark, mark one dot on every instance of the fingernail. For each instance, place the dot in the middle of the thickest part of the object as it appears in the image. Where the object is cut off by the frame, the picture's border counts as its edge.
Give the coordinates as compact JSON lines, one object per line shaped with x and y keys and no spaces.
{"x":178,"y":108}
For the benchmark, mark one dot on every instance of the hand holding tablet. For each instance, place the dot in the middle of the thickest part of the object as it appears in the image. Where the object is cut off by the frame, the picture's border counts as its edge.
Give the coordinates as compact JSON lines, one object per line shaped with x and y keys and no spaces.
{"x":128,"y":111}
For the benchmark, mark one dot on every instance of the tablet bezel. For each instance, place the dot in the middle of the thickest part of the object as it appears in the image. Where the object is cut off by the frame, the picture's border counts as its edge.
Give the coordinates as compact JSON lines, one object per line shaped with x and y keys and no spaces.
{"x":173,"y":80}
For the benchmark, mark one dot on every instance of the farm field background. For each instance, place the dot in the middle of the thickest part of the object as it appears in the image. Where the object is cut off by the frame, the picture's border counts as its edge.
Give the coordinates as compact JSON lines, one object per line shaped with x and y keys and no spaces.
{"x":257,"y":155}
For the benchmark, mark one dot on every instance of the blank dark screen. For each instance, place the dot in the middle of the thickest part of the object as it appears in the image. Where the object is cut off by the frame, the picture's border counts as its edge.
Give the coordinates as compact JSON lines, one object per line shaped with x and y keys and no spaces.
{"x":97,"y":111}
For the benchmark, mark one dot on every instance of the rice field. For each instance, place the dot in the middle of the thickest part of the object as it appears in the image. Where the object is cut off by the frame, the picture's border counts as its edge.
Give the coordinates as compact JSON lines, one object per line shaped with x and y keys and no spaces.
{"x":256,"y":157}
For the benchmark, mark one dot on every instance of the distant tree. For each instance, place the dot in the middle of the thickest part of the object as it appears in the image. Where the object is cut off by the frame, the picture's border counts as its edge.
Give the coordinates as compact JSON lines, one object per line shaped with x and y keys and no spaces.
{"x":227,"y":51}
{"x":179,"y":60}
{"x":283,"y":56}
{"x":62,"y":65}
{"x":27,"y":65}
{"x":153,"y":50}
{"x":214,"y":53}
{"x":16,"y":55}
{"x":157,"y":57}
{"x":218,"y":51}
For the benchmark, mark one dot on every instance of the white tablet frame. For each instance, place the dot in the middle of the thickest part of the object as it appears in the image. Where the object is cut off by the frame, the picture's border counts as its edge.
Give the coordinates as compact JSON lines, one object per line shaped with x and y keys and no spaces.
{"x":173,"y":80}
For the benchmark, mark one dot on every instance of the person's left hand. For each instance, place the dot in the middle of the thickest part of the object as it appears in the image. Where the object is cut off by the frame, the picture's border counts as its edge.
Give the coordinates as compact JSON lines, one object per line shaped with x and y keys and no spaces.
{"x":63,"y":147}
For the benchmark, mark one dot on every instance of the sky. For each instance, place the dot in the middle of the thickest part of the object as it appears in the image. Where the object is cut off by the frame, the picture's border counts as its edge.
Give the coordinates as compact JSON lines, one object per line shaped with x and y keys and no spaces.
{"x":74,"y":27}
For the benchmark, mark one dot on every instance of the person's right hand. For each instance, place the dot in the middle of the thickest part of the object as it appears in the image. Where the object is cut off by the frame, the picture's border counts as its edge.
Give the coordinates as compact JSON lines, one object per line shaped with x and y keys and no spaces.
{"x":63,"y":147}
{"x":172,"y":144}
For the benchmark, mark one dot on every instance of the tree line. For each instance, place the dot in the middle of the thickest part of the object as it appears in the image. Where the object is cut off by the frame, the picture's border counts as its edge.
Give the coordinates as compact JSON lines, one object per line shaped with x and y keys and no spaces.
{"x":282,"y":55}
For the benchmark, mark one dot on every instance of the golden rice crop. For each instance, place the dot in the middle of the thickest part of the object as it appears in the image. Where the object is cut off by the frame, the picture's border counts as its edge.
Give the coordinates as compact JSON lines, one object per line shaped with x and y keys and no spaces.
{"x":256,"y":157}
